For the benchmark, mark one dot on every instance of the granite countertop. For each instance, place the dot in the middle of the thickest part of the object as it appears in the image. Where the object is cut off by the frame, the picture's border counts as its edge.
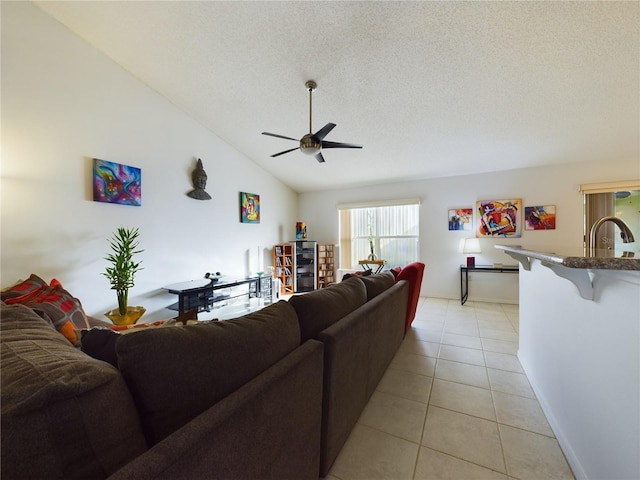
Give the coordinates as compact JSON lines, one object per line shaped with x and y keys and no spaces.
{"x":576,"y":257}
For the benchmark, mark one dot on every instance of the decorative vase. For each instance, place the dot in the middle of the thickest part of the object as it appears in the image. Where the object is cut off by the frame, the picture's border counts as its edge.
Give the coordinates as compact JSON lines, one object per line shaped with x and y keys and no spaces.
{"x":132,"y":316}
{"x":371,"y":256}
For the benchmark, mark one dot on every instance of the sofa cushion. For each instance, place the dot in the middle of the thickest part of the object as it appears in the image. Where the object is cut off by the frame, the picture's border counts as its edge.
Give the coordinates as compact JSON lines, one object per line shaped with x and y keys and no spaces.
{"x":357,"y":273}
{"x":378,"y":283}
{"x":176,"y":373}
{"x":319,"y":309}
{"x":64,"y":414}
{"x":100,"y":343}
{"x":268,"y":429}
{"x":395,"y":271}
{"x":52,"y":302}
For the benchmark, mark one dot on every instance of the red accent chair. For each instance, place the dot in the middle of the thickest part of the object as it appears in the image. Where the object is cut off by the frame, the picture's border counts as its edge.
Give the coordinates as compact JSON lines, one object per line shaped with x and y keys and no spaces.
{"x":412,"y":273}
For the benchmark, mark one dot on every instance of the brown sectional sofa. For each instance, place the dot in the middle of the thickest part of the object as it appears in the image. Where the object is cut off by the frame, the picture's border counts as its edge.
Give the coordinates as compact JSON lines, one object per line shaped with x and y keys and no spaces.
{"x":273,"y":394}
{"x":361,"y":324}
{"x":64,"y":414}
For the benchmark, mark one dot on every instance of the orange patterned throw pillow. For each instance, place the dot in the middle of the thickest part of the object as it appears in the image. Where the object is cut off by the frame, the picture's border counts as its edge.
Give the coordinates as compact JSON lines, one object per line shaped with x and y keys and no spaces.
{"x":24,"y":289}
{"x":52,"y":302}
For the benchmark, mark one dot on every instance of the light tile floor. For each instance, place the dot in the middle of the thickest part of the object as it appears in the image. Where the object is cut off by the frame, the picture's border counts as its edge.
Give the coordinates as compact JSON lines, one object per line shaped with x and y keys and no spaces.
{"x":454,"y":404}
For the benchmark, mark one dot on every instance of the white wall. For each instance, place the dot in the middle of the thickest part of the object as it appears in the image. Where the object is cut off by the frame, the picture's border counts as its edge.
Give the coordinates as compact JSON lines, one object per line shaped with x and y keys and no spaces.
{"x":582,"y":358}
{"x":64,"y":103}
{"x":556,"y":185}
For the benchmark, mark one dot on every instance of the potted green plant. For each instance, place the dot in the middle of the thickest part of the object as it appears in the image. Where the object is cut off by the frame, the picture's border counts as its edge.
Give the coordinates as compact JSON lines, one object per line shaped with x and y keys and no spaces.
{"x":121,"y":274}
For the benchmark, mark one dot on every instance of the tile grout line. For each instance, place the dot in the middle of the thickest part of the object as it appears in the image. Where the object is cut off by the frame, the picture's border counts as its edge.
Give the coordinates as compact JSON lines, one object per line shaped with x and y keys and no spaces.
{"x":495,"y":412}
{"x":426,"y":413}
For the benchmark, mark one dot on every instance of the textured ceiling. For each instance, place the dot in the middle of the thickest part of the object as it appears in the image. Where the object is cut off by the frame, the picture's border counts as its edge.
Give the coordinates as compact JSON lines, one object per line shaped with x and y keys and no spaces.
{"x":430,"y":89}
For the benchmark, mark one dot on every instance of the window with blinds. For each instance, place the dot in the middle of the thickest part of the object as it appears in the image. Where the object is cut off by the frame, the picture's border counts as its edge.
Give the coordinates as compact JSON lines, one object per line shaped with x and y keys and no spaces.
{"x":393,"y":230}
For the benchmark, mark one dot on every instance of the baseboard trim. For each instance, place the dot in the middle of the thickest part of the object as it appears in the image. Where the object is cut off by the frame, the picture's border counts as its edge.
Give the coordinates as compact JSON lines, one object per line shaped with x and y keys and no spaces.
{"x":565,"y":445}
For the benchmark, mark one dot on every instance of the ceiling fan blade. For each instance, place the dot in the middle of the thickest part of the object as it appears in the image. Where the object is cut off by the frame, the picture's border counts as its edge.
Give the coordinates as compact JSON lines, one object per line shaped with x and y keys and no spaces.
{"x":280,"y":136}
{"x":319,"y":157}
{"x":323,"y":132}
{"x":282,"y":153}
{"x":339,"y":145}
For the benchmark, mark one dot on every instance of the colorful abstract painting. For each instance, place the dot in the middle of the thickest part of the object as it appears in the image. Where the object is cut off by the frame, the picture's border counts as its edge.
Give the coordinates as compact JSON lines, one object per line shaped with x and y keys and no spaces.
{"x":116,"y":183}
{"x":461,"y":219}
{"x":249,"y":208}
{"x":499,"y":218}
{"x":542,"y":217}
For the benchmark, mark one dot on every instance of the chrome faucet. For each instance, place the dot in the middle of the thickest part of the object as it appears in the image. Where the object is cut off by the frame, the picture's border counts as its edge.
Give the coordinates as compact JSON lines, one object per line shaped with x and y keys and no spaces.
{"x":625,"y":231}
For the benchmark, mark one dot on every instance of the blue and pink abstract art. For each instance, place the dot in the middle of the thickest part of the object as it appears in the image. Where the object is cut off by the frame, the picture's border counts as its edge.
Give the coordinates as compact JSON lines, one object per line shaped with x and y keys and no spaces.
{"x":116,"y":183}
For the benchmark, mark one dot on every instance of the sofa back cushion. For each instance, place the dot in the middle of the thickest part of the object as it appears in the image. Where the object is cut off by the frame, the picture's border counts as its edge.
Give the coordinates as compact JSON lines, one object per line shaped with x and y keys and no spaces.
{"x":176,"y":373}
{"x":319,"y":309}
{"x":378,"y":283}
{"x":64,"y":414}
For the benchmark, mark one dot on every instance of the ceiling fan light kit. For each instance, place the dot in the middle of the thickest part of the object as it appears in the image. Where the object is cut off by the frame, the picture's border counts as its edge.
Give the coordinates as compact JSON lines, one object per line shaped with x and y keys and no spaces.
{"x":313,"y":143}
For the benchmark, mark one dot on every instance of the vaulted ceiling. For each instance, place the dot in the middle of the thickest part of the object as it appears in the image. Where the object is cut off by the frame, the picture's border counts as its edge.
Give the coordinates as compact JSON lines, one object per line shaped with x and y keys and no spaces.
{"x":430,"y":89}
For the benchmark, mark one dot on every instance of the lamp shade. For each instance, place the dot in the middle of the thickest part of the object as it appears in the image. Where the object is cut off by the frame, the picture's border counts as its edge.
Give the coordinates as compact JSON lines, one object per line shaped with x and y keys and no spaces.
{"x":471,"y":245}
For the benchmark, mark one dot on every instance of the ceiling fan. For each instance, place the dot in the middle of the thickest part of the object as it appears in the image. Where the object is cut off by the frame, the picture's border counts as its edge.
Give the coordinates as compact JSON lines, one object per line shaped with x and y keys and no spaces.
{"x":313,"y":143}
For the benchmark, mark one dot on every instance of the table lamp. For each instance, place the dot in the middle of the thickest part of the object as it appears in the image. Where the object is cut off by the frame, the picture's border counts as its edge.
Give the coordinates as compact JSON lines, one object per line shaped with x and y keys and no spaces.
{"x":471,"y":245}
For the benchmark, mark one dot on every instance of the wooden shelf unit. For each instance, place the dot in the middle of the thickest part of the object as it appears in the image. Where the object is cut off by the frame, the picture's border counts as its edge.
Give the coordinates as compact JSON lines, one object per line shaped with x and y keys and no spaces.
{"x":326,"y":264}
{"x":283,"y":267}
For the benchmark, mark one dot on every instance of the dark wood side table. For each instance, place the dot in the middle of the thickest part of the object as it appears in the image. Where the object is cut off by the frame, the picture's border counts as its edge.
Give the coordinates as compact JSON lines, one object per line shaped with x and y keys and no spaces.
{"x":464,"y":276}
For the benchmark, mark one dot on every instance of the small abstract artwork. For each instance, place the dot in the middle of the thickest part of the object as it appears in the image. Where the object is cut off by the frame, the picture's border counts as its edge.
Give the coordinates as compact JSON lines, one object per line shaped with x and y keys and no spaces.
{"x":499,"y":218}
{"x":542,"y":217}
{"x":116,"y":183}
{"x":249,"y":207}
{"x":301,"y":230}
{"x":461,"y":219}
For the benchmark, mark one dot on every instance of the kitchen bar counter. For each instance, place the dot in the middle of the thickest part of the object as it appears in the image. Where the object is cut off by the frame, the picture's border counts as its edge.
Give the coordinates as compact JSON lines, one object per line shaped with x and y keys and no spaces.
{"x":576,"y":258}
{"x":578,"y":268}
{"x":582,"y":355}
